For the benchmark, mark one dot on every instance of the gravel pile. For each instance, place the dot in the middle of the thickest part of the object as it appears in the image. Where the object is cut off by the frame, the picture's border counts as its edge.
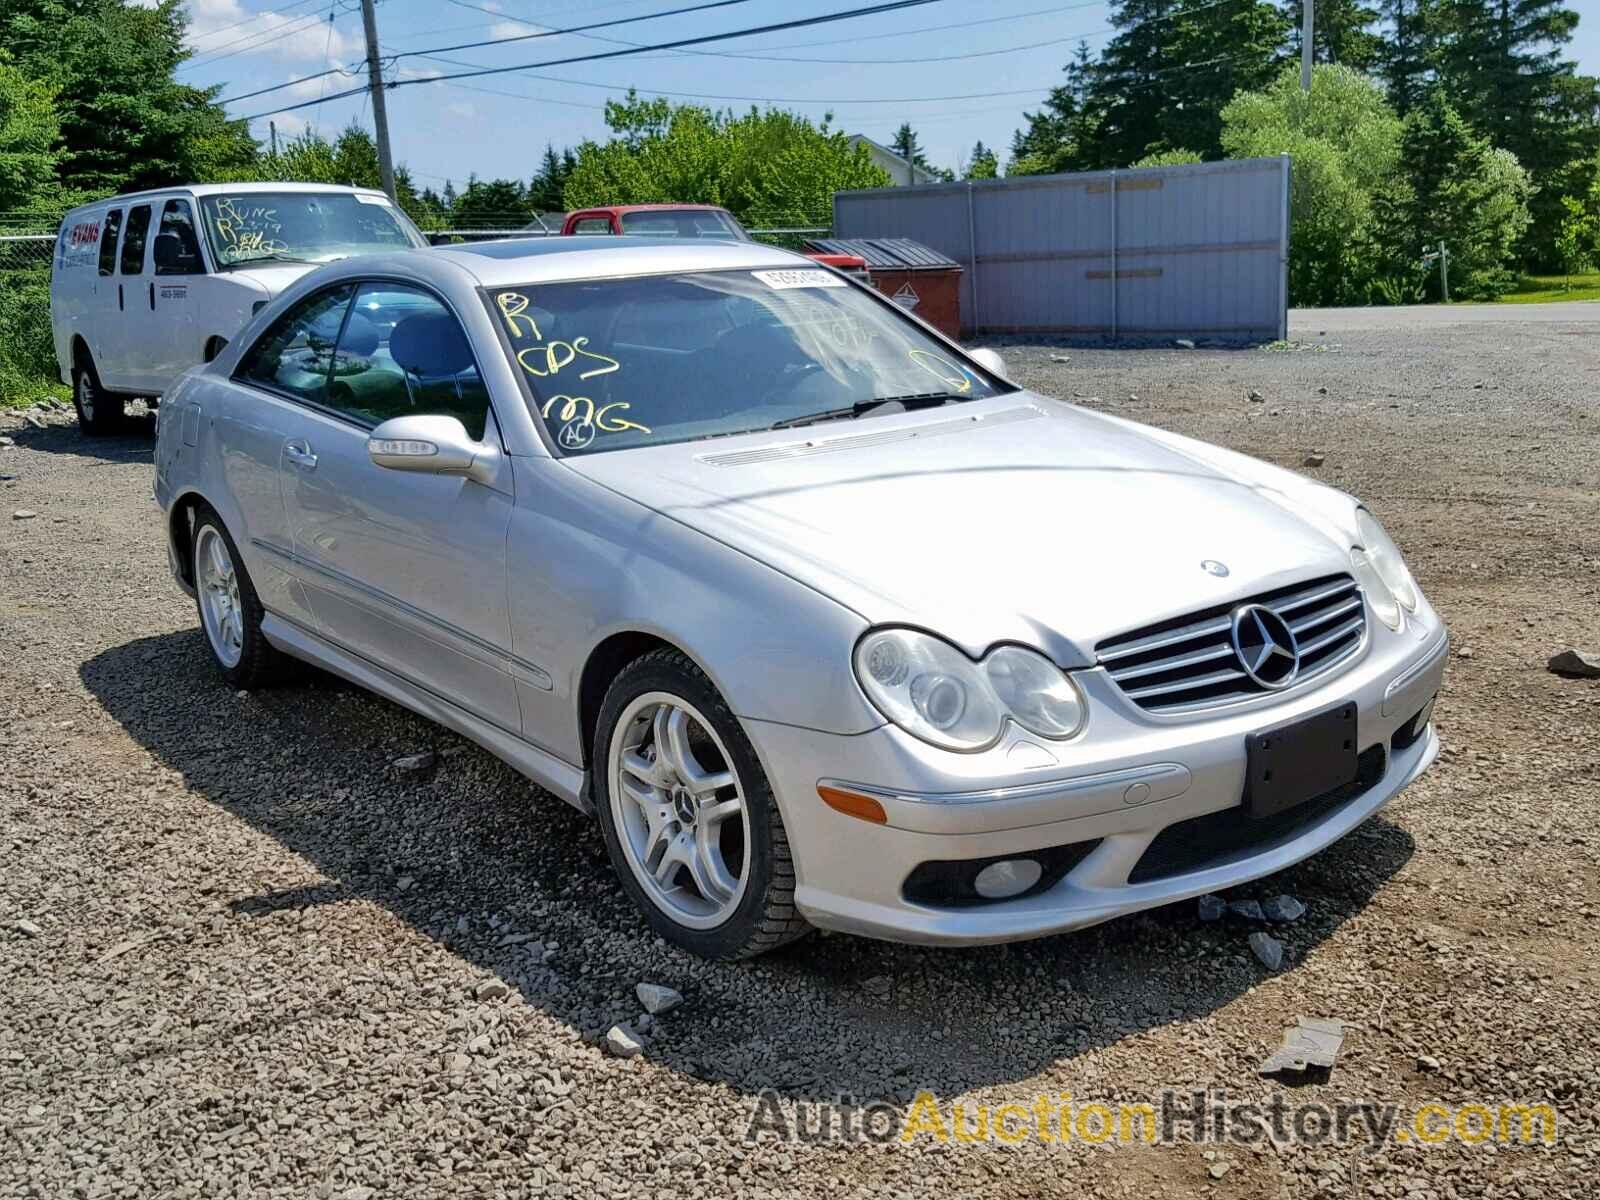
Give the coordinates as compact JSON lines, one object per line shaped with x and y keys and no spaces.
{"x":302,"y":943}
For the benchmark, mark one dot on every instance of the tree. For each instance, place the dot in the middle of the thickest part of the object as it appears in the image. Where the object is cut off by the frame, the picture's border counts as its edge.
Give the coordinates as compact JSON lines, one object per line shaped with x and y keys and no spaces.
{"x":1343,"y":142}
{"x":1341,"y":32}
{"x":1575,"y":240}
{"x":126,"y":123}
{"x":1501,"y":66}
{"x":907,"y":145}
{"x":1063,"y":124}
{"x":1162,"y":81}
{"x":767,"y":167}
{"x":29,"y":131}
{"x":1169,"y":158}
{"x":545,"y":193}
{"x":1406,"y":57}
{"x":492,"y":204}
{"x":1463,"y":192}
{"x":982,"y":162}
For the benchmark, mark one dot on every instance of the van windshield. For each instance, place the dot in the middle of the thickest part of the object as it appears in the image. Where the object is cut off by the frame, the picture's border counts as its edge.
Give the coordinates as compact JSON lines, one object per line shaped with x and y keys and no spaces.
{"x":616,"y":363}
{"x":302,"y":226}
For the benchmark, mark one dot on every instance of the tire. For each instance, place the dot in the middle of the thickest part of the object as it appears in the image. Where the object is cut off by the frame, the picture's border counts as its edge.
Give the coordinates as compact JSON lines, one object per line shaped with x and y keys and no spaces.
{"x":230,"y":611}
{"x":683,"y":811}
{"x":100,"y":413}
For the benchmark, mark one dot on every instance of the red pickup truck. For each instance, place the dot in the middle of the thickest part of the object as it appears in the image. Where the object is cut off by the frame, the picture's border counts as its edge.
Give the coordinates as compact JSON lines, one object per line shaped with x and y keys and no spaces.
{"x":683,"y":221}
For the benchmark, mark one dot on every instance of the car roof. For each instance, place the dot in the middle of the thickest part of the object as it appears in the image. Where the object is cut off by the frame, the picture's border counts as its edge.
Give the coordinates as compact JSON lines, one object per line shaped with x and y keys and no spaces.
{"x":229,"y":189}
{"x":631,"y":208}
{"x":548,"y":260}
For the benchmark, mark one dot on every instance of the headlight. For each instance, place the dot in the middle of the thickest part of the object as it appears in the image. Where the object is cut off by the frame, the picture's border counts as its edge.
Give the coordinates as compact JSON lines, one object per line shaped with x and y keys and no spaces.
{"x":1378,"y":593}
{"x":934,"y":691}
{"x":1386,"y":560}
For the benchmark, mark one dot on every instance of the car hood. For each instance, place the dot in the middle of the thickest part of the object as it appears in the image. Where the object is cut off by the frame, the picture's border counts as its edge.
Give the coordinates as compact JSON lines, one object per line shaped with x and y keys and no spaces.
{"x":1015,"y":518}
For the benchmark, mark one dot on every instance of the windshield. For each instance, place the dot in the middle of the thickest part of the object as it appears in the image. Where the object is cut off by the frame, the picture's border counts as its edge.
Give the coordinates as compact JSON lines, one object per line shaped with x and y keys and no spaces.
{"x":302,"y":226}
{"x":615,"y":363}
{"x":684,"y":223}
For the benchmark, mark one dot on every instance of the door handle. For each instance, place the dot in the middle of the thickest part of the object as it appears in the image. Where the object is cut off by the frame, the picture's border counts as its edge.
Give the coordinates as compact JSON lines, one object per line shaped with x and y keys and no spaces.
{"x":152,"y":297}
{"x":119,"y":297}
{"x":299,"y":453}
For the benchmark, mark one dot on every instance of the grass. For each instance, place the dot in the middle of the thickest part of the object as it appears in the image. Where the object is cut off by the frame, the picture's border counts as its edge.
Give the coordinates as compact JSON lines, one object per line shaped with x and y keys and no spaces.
{"x":1547,"y":289}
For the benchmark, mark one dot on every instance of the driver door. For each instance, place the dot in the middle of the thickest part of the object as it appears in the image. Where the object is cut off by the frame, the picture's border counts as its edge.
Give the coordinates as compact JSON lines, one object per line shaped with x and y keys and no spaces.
{"x":406,"y":570}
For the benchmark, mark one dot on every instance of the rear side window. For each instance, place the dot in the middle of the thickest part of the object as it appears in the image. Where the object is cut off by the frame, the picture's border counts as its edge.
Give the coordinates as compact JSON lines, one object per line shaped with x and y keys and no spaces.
{"x":403,"y":353}
{"x":108,"y":241}
{"x":295,"y":355}
{"x":133,"y":243}
{"x":592,"y":225}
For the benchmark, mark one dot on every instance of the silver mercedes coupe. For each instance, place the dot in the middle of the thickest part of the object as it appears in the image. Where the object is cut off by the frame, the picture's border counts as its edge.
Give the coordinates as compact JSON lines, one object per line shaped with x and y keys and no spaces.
{"x":826,"y":621}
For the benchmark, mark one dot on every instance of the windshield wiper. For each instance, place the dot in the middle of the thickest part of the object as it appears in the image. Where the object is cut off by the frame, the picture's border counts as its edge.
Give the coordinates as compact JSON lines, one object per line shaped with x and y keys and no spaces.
{"x":275,"y":256}
{"x":862,"y":407}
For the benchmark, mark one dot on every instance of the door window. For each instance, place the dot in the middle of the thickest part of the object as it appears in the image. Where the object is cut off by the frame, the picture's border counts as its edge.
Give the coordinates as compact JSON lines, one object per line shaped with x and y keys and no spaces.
{"x":133,"y":242}
{"x":403,"y":353}
{"x":108,"y":241}
{"x":177,"y":245}
{"x":296,"y":353}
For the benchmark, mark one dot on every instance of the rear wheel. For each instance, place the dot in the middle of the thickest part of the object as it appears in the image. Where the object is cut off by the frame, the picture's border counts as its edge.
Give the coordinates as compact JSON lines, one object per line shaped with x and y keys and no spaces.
{"x":688,"y":816}
{"x":99,"y":412}
{"x":230,"y":610}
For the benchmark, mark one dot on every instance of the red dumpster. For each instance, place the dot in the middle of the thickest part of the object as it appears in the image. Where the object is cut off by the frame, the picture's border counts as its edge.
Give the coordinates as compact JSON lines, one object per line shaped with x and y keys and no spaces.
{"x":914,"y":276}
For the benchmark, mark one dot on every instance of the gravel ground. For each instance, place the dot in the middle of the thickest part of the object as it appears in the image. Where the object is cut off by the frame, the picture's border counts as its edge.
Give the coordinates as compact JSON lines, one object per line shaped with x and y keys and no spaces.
{"x":242,"y":954}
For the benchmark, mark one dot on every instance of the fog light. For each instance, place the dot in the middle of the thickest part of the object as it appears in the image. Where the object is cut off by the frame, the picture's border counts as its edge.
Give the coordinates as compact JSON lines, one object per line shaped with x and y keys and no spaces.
{"x":1007,"y":878}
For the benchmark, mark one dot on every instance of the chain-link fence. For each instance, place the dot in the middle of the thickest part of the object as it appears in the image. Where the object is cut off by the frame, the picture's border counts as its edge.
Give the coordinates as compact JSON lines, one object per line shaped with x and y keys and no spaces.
{"x":27,"y":353}
{"x":26,"y":251}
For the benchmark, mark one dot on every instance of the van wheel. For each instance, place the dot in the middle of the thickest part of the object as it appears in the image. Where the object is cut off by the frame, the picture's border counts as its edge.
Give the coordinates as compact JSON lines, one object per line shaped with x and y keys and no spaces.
{"x":99,"y":411}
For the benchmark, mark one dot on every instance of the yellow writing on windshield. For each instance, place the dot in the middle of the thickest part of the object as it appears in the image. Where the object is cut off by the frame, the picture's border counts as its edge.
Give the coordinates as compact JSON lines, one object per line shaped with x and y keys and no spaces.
{"x":550,"y":357}
{"x":582,"y":410}
{"x":942,"y":369}
{"x":514,"y":308}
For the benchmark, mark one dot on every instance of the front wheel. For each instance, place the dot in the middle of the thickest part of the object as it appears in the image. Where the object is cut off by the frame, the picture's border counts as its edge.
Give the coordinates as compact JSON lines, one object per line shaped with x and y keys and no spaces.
{"x":688,"y":816}
{"x":99,"y":412}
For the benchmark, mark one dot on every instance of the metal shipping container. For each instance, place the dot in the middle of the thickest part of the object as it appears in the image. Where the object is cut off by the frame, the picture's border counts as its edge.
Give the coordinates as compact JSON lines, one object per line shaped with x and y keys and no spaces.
{"x":1190,"y":251}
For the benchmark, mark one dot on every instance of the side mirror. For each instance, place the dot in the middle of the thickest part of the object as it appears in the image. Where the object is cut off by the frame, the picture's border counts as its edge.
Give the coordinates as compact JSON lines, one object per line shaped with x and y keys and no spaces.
{"x":989,"y":360}
{"x":432,"y":445}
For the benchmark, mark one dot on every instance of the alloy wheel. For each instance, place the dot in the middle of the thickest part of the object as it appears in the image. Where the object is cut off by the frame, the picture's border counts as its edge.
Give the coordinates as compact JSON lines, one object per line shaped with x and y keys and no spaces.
{"x":679,"y":810}
{"x":218,"y":584}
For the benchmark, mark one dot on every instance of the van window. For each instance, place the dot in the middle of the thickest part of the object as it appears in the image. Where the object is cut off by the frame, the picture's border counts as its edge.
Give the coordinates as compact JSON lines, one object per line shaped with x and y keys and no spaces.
{"x":133,"y":243}
{"x":177,"y":244}
{"x":295,"y":354}
{"x":403,"y":354}
{"x":108,"y":241}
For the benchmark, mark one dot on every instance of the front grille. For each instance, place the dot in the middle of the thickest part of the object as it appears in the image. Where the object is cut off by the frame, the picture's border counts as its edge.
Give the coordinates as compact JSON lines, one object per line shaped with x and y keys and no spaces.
{"x":1228,"y":835}
{"x":1189,"y":662}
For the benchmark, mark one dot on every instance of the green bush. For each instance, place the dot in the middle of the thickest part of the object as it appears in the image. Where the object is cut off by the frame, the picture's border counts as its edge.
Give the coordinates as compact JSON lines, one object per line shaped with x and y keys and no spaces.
{"x":27,"y":351}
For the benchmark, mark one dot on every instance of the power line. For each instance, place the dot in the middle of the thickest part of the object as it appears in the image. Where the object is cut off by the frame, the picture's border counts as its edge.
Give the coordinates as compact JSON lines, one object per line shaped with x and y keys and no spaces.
{"x":703,"y":39}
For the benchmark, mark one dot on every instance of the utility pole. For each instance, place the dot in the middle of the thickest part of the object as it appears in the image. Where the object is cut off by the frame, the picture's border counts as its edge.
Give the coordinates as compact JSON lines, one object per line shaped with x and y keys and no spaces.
{"x":380,"y":115}
{"x":1444,"y":271}
{"x":272,"y":128}
{"x":1307,"y":28}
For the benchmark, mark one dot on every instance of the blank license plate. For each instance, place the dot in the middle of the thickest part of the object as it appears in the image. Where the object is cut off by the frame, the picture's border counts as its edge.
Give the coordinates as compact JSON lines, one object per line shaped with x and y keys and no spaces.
{"x":1299,"y":761}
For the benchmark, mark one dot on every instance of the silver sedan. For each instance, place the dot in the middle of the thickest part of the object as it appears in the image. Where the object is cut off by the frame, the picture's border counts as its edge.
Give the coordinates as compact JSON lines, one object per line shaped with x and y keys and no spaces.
{"x":826,"y":621}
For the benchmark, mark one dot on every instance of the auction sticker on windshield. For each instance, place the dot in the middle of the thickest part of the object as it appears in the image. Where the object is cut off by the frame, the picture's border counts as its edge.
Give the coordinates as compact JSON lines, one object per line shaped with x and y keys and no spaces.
{"x":798,"y":279}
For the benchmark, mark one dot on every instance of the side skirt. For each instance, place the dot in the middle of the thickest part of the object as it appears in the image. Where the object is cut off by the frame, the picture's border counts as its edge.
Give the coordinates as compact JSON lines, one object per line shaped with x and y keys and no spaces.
{"x":549,"y":772}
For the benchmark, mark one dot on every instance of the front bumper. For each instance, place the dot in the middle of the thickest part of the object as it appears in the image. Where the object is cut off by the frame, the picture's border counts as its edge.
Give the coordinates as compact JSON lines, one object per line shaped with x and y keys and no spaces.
{"x":1127,"y":779}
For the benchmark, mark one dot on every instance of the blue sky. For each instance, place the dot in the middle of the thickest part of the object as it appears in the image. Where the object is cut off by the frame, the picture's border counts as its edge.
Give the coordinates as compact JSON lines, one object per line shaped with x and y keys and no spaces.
{"x":498,"y":125}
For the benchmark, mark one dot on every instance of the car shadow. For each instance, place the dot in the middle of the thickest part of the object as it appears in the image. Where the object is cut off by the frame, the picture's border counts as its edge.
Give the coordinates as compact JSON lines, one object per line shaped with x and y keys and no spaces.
{"x":134,"y":442}
{"x":516,"y":883}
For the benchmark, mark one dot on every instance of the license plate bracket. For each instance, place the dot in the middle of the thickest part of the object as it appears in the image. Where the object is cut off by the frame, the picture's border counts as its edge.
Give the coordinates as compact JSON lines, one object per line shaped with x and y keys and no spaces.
{"x":1300,"y":760}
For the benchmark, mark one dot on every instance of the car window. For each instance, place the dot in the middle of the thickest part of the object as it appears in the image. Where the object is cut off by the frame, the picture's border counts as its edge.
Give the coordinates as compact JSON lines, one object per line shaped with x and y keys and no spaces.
{"x":295,"y":354}
{"x":133,"y":241}
{"x":592,"y":225}
{"x":614,"y":363}
{"x":682,"y":223}
{"x":177,"y":244}
{"x":403,"y":353}
{"x":108,"y":241}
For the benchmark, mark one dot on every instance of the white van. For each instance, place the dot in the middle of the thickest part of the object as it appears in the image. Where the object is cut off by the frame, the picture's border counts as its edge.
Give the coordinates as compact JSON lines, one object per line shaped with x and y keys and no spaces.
{"x":145,"y":286}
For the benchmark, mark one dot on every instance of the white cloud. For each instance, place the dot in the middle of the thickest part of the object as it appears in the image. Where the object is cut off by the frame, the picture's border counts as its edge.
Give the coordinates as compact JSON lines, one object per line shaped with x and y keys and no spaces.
{"x":511,"y":29}
{"x":219,"y":27}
